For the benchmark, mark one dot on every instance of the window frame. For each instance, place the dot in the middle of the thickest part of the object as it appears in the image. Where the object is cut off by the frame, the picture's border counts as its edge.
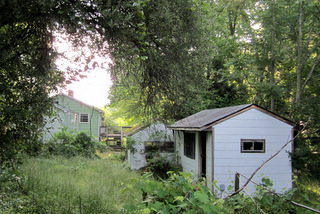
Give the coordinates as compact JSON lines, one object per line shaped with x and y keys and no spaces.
{"x":158,"y":147}
{"x":253,"y":141}
{"x":192,"y":145}
{"x":80,"y":116}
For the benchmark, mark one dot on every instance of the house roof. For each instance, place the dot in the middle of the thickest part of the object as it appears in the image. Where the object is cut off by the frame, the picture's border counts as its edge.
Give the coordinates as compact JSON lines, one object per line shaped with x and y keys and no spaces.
{"x":205,"y":119}
{"x":65,"y":110}
{"x":79,"y":101}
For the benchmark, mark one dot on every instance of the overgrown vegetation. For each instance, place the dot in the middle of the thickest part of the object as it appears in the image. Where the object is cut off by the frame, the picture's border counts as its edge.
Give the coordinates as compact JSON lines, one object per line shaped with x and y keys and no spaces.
{"x":73,"y":185}
{"x":159,"y":166}
{"x":81,"y":185}
{"x":170,"y":59}
{"x":180,"y":194}
{"x":69,"y":143}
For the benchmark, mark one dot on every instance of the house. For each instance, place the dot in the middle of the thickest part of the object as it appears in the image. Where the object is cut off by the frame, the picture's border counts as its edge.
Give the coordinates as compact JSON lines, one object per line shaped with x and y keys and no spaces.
{"x":155,"y":137}
{"x":75,"y":115}
{"x":218,"y":143}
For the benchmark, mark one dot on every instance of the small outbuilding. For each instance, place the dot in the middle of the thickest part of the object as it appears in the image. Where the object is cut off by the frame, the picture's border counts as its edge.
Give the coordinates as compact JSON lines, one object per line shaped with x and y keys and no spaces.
{"x":153,"y":138}
{"x":218,"y":143}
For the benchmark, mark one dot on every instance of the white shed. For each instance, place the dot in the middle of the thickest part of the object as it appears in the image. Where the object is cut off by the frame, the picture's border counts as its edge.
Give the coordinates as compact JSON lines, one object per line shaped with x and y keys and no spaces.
{"x":217,"y":143}
{"x":156,"y":136}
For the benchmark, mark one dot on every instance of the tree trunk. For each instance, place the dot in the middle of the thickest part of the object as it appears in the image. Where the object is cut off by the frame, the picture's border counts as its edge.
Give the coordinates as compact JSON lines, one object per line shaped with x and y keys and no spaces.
{"x":299,"y":56}
{"x":272,"y":62}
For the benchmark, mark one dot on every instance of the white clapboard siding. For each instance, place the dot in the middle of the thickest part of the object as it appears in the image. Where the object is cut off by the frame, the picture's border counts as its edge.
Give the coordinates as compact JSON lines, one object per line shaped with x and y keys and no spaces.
{"x":137,"y":159}
{"x":252,"y":124}
{"x":188,"y":164}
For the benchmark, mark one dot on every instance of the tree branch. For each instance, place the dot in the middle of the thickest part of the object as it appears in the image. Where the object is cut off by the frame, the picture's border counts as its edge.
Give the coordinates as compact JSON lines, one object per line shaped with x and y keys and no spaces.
{"x":311,"y":72}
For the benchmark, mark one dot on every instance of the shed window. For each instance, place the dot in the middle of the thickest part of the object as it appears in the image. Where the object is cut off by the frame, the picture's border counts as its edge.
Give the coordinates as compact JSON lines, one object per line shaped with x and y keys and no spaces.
{"x":253,"y":145}
{"x":159,"y":146}
{"x":189,"y":145}
{"x":84,"y":118}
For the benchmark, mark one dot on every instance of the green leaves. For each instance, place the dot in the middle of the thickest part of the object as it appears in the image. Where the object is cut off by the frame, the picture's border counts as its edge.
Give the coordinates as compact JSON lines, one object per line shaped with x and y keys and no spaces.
{"x":202,"y":197}
{"x":176,"y":194}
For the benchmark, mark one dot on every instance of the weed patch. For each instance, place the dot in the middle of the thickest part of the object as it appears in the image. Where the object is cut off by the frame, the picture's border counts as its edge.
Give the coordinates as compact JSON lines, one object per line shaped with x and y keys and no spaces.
{"x":79,"y":185}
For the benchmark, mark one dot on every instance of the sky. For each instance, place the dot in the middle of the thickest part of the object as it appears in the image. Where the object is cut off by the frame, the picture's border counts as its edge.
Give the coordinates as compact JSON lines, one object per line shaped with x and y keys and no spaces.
{"x":93,"y":89}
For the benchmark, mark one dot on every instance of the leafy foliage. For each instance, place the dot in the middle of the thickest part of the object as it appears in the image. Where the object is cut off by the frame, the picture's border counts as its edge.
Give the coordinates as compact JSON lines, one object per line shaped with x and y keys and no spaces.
{"x":176,"y":194}
{"x":70,"y":144}
{"x":27,"y":75}
{"x":180,"y":193}
{"x":160,"y":165}
{"x":305,"y":158}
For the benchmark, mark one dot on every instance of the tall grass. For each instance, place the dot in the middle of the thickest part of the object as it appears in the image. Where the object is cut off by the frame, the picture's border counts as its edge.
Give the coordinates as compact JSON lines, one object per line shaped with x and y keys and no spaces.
{"x":79,"y":185}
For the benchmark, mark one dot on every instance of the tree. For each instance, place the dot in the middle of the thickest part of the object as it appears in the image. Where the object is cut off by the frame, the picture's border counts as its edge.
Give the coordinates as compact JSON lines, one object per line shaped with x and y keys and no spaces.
{"x":161,"y":61}
{"x":27,"y":75}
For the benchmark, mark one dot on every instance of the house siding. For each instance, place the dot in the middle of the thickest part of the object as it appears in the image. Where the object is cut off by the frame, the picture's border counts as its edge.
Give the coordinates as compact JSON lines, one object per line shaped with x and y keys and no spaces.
{"x":252,"y":124}
{"x":62,"y":119}
{"x":92,"y":127}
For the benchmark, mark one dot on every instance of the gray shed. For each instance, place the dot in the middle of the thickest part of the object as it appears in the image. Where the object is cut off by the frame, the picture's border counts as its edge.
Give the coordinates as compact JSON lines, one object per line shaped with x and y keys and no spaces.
{"x":218,"y":143}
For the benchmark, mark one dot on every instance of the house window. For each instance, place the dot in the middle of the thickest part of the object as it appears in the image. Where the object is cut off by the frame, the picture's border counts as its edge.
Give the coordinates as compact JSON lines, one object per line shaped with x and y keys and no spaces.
{"x":253,"y":145}
{"x":189,"y":145}
{"x":84,"y":118}
{"x":159,"y":146}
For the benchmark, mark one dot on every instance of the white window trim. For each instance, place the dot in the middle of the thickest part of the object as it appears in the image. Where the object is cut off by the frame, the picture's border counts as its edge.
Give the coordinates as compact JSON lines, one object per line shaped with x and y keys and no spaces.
{"x":84,"y":114}
{"x":253,"y":140}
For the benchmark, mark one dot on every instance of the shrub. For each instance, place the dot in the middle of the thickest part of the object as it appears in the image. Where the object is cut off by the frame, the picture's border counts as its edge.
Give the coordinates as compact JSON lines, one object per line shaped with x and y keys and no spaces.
{"x":306,"y":157}
{"x":160,"y":166}
{"x":178,"y":194}
{"x":70,"y":144}
{"x":181,"y":194}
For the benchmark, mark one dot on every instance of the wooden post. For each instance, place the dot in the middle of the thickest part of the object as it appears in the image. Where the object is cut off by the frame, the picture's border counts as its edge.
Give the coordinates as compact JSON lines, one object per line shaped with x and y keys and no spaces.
{"x":236,"y":182}
{"x":121,"y":133}
{"x":236,"y":187}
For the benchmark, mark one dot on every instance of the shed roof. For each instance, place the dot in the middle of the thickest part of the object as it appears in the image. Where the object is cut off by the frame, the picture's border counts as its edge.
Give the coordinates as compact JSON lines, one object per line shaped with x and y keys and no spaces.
{"x":207,"y":118}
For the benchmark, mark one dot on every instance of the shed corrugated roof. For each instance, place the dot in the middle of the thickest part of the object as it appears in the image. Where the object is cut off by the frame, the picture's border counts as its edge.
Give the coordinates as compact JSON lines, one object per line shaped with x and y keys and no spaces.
{"x":206,"y":117}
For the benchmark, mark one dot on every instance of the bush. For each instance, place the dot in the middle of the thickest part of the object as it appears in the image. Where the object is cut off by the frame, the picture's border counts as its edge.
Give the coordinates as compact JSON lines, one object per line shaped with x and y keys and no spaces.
{"x":178,"y":194}
{"x":306,"y":157}
{"x":181,"y":194}
{"x":160,"y":166}
{"x":70,"y":144}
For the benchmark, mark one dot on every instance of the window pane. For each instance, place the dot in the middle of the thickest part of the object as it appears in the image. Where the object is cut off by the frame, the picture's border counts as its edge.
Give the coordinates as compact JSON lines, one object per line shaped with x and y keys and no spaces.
{"x":253,"y":145}
{"x":158,"y":146}
{"x":151,"y":147}
{"x":189,"y":145}
{"x":84,"y":118}
{"x":258,"y":146}
{"x":162,"y":146}
{"x":170,"y":147}
{"x":247,"y":146}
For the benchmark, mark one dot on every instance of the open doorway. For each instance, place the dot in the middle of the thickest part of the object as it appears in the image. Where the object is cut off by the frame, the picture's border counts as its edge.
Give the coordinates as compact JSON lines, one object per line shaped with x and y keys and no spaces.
{"x":203,"y":156}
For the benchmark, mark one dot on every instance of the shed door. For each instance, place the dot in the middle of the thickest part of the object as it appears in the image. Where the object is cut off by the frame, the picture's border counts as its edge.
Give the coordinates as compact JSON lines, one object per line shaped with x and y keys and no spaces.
{"x":203,"y":149}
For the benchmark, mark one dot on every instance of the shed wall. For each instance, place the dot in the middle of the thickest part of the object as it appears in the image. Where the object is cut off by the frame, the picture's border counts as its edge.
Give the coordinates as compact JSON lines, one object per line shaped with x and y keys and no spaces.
{"x":252,"y":124}
{"x":188,"y":164}
{"x":154,"y":132}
